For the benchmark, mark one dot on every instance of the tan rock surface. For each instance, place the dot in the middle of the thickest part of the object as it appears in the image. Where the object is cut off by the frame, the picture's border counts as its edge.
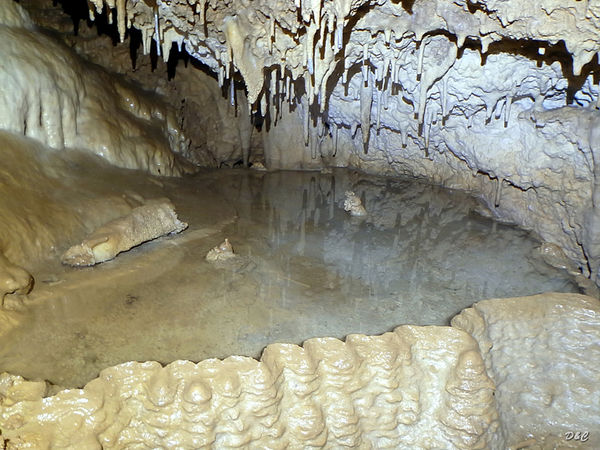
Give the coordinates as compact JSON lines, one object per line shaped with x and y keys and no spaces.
{"x":150,"y":221}
{"x":418,"y":387}
{"x":543,"y":353}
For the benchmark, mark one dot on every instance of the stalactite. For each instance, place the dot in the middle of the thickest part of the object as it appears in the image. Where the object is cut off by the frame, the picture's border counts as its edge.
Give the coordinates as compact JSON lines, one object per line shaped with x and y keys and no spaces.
{"x":404,"y":136}
{"x":121,"y":18}
{"x":309,"y":48}
{"x":498,"y":193}
{"x":387,"y":32}
{"x":306,"y":123}
{"x":366,"y":100}
{"x":335,"y":138}
{"x":339,"y":32}
{"x":379,"y":105}
{"x":220,"y":76}
{"x":263,"y":105}
{"x":420,"y":57}
{"x":427,"y":132}
{"x":364,"y":63}
{"x":423,"y":88}
{"x":156,"y":32}
{"x":444,"y":97}
{"x":271,"y":34}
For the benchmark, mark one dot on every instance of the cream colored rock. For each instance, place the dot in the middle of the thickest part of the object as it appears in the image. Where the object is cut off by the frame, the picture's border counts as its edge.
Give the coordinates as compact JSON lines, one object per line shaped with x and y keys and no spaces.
{"x":554,"y":256}
{"x":259,"y":166}
{"x":542,"y":352}
{"x":13,"y":279}
{"x":144,"y":223}
{"x":353,"y":204}
{"x":418,"y":387}
{"x":62,"y":100}
{"x":221,"y":252}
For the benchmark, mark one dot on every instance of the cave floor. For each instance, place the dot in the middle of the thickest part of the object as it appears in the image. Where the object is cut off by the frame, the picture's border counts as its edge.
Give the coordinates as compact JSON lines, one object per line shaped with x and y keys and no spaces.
{"x":304,"y":268}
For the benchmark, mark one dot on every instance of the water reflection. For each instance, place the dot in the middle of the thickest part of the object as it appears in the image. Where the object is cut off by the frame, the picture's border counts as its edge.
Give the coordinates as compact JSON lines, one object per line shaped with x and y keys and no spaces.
{"x":305,"y":268}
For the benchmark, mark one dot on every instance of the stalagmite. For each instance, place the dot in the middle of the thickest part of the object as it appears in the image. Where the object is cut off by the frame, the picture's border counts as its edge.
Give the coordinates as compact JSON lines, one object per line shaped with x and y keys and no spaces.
{"x":353,"y":204}
{"x":222,"y":252}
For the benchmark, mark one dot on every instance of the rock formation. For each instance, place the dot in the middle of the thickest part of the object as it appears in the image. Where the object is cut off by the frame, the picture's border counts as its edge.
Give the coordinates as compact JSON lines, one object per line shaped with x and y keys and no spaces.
{"x":59,"y":99}
{"x":154,"y":219}
{"x":221,"y":252}
{"x":538,"y":350}
{"x":353,"y":204}
{"x":414,"y":388}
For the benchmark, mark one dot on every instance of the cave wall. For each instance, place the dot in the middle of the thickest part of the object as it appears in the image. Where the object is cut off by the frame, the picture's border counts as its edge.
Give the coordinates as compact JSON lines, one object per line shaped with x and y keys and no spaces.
{"x":63,"y":101}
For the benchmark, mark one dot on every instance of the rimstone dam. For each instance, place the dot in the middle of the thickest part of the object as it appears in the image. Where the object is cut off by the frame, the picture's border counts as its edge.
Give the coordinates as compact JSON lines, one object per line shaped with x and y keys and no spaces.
{"x":299,"y":224}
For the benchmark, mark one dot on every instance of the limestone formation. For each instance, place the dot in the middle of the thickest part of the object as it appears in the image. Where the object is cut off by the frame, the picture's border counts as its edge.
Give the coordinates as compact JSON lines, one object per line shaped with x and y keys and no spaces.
{"x":221,"y":252}
{"x":154,"y":219}
{"x":62,"y":101}
{"x":542,"y":353}
{"x":554,"y":256}
{"x":353,"y":204}
{"x":418,"y":387}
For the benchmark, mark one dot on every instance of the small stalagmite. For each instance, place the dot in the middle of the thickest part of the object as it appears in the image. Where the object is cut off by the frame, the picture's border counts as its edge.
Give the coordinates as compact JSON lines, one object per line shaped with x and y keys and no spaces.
{"x":221,"y":252}
{"x":353,"y":205}
{"x":154,"y":219}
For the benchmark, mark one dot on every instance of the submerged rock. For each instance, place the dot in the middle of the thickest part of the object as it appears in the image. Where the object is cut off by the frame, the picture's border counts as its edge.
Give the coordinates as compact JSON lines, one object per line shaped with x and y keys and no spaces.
{"x":144,"y":223}
{"x":221,"y":252}
{"x":353,"y":205}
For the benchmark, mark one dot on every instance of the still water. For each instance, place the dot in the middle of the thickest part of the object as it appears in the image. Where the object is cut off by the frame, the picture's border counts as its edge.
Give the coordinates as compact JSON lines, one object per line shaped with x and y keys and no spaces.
{"x":305,"y":268}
